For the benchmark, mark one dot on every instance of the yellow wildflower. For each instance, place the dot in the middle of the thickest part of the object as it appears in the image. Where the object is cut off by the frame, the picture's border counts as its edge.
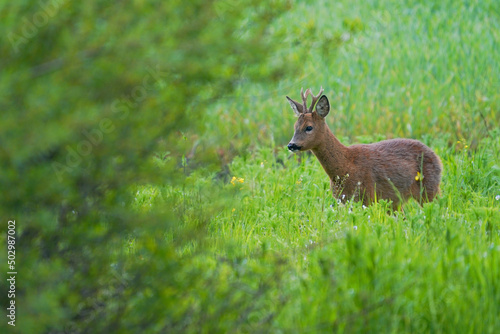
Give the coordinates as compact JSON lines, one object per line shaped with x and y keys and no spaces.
{"x":419,"y":177}
{"x":235,"y":179}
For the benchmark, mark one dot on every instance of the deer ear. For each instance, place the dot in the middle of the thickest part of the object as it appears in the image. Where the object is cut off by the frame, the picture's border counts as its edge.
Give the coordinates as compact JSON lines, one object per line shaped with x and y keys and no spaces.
{"x":297,"y":107}
{"x":323,"y":106}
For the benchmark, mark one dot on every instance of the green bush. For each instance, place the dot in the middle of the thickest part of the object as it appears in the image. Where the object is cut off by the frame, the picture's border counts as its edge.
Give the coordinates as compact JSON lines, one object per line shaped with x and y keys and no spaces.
{"x":95,"y":96}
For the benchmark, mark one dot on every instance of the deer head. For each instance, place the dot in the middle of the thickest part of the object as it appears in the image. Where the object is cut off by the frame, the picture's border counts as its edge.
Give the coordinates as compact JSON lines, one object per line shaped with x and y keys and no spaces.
{"x":310,"y":127}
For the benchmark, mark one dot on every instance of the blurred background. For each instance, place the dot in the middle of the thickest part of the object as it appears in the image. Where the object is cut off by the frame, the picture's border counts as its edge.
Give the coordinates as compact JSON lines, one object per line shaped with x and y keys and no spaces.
{"x":100,"y":99}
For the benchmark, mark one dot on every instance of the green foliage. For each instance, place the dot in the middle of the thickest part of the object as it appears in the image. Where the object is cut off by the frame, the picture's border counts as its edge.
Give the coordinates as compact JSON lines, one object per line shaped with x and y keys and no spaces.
{"x":94,"y":98}
{"x":143,"y":160}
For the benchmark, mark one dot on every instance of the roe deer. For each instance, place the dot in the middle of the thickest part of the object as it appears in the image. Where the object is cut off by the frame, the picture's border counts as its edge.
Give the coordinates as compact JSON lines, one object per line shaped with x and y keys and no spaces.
{"x":394,"y":169}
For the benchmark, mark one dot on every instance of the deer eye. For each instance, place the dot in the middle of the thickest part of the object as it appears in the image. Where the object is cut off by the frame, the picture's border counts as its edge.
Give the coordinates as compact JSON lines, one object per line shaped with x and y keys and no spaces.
{"x":309,"y":128}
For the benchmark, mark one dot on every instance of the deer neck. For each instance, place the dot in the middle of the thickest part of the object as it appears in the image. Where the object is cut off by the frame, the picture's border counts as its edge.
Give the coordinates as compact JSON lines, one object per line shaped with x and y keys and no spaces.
{"x":332,"y":155}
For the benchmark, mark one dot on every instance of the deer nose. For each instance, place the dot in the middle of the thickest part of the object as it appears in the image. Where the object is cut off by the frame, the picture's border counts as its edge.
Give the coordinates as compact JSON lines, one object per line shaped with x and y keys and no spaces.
{"x":293,"y":147}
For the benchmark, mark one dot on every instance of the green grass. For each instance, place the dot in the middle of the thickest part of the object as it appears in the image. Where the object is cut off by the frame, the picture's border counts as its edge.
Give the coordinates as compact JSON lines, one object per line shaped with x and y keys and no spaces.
{"x":400,"y":69}
{"x":347,"y":268}
{"x":277,"y":253}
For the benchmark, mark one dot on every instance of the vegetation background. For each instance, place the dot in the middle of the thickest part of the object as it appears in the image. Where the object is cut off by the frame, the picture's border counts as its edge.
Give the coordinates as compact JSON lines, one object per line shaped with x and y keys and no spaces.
{"x":143,"y":159}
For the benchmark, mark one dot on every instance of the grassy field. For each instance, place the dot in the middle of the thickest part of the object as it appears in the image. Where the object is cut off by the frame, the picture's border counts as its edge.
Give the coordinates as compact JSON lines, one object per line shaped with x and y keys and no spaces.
{"x":396,"y":69}
{"x":313,"y":265}
{"x":274,"y":245}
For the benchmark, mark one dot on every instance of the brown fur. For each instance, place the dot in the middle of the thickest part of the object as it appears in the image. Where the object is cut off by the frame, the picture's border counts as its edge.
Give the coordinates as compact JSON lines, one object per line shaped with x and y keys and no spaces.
{"x":367,"y":172}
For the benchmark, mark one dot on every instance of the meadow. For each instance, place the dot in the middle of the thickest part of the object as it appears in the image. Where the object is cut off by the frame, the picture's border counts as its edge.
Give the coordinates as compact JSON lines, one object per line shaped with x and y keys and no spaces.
{"x":419,"y":70}
{"x":148,"y":173}
{"x":302,"y":262}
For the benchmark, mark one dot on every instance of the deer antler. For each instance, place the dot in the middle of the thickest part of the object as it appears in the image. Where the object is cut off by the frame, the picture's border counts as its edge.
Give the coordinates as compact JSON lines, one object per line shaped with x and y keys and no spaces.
{"x":314,"y":99}
{"x":304,"y":97}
